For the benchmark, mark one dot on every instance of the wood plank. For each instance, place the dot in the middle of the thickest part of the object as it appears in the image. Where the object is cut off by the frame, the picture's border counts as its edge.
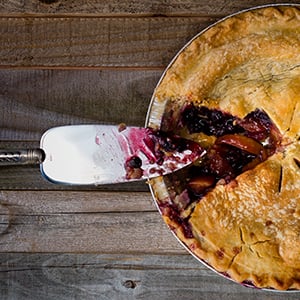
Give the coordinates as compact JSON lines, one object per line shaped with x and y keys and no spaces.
{"x":30,"y":178}
{"x":94,"y":41}
{"x":74,"y":202}
{"x":89,"y":233}
{"x":76,"y":222}
{"x":114,"y":7}
{"x":107,"y":276}
{"x":33,"y":101}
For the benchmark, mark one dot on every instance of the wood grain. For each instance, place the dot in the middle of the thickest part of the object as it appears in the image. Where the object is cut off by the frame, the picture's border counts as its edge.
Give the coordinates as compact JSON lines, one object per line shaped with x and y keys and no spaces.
{"x":69,"y":62}
{"x":88,"y":233}
{"x":114,"y":7}
{"x":113,"y":276}
{"x":30,"y":178}
{"x":76,"y":202}
{"x":33,"y":101}
{"x":83,"y":222}
{"x":94,"y":41}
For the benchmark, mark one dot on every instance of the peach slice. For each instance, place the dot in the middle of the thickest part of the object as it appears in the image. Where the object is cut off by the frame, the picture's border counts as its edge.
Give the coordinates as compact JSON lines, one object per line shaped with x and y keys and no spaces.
{"x":242,"y":142}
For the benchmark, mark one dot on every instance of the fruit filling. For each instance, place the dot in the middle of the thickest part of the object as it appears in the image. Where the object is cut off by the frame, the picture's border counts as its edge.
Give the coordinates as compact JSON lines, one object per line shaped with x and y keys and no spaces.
{"x":209,"y":121}
{"x":164,"y":153}
{"x":239,"y":145}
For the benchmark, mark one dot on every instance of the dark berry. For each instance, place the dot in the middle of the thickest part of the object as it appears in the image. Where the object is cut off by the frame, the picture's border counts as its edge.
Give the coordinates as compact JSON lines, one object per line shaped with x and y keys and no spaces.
{"x":209,"y":121}
{"x":134,"y":162}
{"x":257,"y":125}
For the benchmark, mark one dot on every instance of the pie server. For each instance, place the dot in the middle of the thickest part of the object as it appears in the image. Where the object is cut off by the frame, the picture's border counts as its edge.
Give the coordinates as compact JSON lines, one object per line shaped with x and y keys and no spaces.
{"x":103,"y":154}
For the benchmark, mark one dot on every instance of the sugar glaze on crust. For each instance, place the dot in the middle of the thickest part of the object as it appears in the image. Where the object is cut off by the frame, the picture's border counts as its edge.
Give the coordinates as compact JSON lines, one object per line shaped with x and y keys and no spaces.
{"x":249,"y":228}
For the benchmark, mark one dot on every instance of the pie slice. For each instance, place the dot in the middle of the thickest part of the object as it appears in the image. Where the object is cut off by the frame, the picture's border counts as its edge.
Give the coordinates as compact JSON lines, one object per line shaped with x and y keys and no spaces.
{"x":235,"y":89}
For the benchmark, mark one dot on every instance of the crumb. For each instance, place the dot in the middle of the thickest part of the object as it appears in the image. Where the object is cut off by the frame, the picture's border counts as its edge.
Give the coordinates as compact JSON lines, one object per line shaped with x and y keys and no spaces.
{"x":121,"y":127}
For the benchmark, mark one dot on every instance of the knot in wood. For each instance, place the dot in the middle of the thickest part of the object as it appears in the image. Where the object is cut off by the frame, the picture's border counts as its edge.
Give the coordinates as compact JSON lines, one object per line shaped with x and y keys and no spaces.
{"x":129,"y":284}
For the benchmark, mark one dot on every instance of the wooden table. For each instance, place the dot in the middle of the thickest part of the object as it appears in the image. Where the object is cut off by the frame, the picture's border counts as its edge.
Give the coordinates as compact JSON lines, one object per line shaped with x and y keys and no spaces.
{"x":70,"y":62}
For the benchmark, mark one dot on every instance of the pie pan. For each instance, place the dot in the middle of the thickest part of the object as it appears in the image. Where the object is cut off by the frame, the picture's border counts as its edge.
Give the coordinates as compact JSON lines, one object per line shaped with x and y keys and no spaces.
{"x":244,"y":62}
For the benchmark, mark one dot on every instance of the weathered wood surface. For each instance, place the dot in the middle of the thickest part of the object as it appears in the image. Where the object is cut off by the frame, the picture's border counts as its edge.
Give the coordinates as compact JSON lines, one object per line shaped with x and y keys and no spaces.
{"x":148,"y":38}
{"x":146,"y":7}
{"x":95,"y":41}
{"x":34,"y":100}
{"x":70,"y":62}
{"x":112,"y":276}
{"x":85,"y":222}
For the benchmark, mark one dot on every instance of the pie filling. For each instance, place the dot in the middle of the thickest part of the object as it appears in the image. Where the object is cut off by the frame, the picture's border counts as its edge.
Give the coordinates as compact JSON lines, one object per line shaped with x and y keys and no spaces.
{"x":240,"y":144}
{"x":162,"y":153}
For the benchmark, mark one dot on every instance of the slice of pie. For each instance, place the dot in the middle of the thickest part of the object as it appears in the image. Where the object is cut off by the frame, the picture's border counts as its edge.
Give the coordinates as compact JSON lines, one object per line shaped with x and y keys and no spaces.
{"x":235,"y":89}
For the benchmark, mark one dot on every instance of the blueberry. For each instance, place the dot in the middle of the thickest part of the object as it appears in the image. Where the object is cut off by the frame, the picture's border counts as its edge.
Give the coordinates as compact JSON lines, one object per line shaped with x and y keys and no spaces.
{"x":208,"y":121}
{"x":134,"y":162}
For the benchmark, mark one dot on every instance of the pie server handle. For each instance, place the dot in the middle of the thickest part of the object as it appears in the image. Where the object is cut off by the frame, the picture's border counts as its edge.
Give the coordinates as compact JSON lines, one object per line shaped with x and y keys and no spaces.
{"x":21,"y":157}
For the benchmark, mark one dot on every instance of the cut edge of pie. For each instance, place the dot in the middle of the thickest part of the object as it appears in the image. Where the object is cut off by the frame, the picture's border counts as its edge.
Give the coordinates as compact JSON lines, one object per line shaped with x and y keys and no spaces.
{"x":247,"y":228}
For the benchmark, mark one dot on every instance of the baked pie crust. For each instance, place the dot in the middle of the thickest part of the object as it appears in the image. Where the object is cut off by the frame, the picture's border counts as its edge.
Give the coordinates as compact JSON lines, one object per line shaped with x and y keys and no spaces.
{"x":247,"y":228}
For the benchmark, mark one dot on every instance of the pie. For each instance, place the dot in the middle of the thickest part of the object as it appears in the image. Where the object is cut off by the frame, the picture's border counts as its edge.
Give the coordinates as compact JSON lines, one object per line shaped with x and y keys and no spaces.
{"x":235,"y":89}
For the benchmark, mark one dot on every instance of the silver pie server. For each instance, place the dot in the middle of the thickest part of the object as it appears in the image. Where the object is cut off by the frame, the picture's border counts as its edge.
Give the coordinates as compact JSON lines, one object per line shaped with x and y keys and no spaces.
{"x":104,"y":154}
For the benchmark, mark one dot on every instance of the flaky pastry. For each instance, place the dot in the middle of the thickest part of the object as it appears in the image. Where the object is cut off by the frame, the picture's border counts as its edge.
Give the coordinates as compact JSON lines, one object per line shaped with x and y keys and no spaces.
{"x":235,"y":89}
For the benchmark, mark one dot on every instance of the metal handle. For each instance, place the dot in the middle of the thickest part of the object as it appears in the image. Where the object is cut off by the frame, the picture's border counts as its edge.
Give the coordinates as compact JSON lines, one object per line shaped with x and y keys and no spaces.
{"x":21,"y":157}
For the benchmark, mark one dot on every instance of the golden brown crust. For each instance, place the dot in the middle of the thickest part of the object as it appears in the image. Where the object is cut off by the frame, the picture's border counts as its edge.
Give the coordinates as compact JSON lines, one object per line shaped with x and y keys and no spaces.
{"x":249,"y":230}
{"x":253,"y":227}
{"x":247,"y":61}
